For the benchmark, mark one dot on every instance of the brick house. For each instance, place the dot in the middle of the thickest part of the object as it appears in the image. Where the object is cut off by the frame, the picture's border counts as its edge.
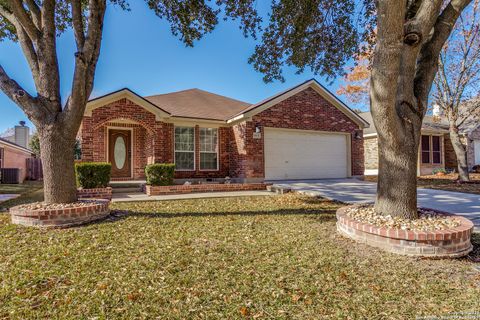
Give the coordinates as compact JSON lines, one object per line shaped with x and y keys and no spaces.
{"x":13,"y":155}
{"x":302,"y":133}
{"x":436,"y":150}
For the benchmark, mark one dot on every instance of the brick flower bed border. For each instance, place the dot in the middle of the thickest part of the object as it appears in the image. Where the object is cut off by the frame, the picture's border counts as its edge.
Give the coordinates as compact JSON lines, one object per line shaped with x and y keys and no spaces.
{"x":449,"y":243}
{"x":96,"y":193}
{"x":61,"y":218}
{"x":207,"y":187}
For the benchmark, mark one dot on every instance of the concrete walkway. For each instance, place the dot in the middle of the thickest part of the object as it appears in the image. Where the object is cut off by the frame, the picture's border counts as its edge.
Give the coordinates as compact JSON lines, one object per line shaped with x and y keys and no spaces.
{"x":357,"y":191}
{"x":8,"y":196}
{"x":139,"y":196}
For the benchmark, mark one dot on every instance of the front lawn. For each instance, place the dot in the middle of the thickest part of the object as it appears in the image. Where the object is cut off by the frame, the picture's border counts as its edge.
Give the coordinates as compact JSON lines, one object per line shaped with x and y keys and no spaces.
{"x":30,"y":191}
{"x":254,"y":257}
{"x":447,"y":182}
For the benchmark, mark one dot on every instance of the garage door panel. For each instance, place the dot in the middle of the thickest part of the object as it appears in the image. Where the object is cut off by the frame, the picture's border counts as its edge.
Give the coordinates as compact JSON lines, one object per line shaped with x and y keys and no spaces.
{"x":304,"y":155}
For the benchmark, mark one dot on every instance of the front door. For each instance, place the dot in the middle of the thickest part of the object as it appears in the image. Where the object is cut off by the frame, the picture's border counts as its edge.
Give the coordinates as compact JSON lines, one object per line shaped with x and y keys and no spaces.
{"x":119,"y":153}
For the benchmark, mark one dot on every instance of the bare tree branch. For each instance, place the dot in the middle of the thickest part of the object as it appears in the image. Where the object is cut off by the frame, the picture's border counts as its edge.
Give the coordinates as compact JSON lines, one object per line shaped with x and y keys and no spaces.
{"x":17,"y":94}
{"x":428,"y":60}
{"x":78,"y":27}
{"x":85,"y":64}
{"x":49,"y":87}
{"x":35,"y":12}
{"x":24,"y":40}
{"x":29,"y":51}
{"x":24,"y":19}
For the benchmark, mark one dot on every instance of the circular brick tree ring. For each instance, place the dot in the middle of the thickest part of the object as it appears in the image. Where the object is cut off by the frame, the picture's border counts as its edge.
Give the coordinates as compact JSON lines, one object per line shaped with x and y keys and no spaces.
{"x":89,"y":210}
{"x":448,"y":243}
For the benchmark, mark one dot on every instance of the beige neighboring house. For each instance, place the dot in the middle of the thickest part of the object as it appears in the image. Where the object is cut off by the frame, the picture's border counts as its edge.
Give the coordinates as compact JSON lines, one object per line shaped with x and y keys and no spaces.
{"x":436,"y":150}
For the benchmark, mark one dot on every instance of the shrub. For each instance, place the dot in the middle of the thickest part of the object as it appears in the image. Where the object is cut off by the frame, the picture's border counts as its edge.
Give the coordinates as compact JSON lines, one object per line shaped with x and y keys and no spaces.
{"x":92,"y":174}
{"x":160,"y":174}
{"x":439,"y":170}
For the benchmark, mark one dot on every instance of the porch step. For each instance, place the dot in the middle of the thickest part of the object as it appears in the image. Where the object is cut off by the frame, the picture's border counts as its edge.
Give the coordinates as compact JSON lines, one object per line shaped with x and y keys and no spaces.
{"x":126,"y":189}
{"x":126,"y":186}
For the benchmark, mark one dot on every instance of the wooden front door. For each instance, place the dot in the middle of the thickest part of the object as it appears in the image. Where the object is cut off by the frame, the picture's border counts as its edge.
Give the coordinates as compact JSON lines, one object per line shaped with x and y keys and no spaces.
{"x":120,"y":153}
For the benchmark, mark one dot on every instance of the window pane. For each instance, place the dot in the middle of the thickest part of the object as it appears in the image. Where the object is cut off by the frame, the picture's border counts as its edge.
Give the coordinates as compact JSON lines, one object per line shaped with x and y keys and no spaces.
{"x":184,"y":139}
{"x":208,"y":161}
{"x":184,"y":161}
{"x":208,"y":140}
{"x":435,"y":143}
{"x":436,"y":157}
{"x":425,"y":156}
{"x":426,"y":143}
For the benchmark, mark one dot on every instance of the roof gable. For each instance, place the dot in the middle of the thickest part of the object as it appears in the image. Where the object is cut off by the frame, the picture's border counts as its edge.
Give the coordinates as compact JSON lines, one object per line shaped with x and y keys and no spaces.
{"x":125,"y":94}
{"x":321,"y":90}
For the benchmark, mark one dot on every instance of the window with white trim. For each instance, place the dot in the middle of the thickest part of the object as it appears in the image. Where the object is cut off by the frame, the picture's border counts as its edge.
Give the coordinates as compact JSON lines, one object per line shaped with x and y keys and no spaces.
{"x":208,"y":149}
{"x":184,"y":148}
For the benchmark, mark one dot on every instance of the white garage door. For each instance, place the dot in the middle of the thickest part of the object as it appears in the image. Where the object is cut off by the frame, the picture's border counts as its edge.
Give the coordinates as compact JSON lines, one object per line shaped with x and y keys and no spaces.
{"x":292,"y":154}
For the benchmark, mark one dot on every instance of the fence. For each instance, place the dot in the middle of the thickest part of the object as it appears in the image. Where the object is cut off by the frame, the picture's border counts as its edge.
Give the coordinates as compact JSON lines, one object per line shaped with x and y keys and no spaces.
{"x":34,"y":169}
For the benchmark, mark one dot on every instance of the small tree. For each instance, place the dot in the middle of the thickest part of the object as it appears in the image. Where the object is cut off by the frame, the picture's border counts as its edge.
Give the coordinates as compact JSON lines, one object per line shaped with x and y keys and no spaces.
{"x":356,"y":84}
{"x":457,"y":82}
{"x":34,"y":144}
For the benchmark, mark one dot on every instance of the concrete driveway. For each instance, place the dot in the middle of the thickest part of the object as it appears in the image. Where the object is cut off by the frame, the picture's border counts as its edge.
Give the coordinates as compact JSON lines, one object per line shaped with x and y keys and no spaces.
{"x":357,"y":191}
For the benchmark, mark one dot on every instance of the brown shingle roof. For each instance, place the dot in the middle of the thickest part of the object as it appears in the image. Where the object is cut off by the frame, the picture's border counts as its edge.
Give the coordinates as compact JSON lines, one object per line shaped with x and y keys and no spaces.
{"x":196,"y":103}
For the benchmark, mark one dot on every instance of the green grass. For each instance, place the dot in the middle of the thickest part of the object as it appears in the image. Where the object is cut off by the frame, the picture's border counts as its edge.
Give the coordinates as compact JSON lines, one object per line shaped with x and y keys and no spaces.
{"x":30,"y":191}
{"x":254,"y":257}
{"x":22,"y":188}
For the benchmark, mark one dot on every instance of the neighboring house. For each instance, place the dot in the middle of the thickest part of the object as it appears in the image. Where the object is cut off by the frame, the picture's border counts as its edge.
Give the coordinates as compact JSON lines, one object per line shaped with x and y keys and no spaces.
{"x":436,"y":150}
{"x":20,"y":135}
{"x":14,"y":156}
{"x":301,"y":133}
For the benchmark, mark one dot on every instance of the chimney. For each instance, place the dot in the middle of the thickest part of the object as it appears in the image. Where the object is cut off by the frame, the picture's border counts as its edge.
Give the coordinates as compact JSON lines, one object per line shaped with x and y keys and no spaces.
{"x":436,"y":113}
{"x":22,"y":134}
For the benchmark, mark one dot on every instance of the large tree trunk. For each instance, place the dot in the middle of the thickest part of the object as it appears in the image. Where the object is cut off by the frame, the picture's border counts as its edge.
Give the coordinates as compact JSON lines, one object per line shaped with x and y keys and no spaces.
{"x":57,"y":156}
{"x":397,"y":177}
{"x":395,"y":112}
{"x":460,"y":153}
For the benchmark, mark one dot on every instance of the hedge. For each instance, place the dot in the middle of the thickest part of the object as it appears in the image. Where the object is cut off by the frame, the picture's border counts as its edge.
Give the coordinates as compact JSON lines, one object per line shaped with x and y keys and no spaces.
{"x":92,"y":174}
{"x":160,"y":174}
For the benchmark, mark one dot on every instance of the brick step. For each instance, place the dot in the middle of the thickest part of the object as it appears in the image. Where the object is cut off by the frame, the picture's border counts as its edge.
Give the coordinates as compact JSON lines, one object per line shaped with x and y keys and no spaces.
{"x":126,"y":189}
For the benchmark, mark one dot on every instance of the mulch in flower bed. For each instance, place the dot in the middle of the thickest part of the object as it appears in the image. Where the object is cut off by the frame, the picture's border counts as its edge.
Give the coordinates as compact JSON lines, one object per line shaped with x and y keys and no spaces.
{"x":428,"y":220}
{"x":55,"y":206}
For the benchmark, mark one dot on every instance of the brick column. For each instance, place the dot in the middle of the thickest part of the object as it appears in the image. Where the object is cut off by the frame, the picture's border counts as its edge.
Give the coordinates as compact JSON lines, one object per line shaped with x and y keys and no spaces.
{"x":87,"y":139}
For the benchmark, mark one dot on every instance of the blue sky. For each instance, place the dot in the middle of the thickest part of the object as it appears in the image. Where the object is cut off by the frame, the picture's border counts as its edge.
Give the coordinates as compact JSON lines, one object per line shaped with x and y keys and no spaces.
{"x":139,"y":52}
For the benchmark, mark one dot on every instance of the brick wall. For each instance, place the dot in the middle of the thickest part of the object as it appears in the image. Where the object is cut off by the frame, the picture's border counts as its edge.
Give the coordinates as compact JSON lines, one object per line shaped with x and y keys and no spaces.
{"x":14,"y":158}
{"x":306,"y":110}
{"x":371,"y":153}
{"x":207,"y":187}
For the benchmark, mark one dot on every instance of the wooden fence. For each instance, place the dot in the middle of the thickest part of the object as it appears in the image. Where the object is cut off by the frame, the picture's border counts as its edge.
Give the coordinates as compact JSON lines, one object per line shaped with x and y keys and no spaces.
{"x":34,"y":169}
